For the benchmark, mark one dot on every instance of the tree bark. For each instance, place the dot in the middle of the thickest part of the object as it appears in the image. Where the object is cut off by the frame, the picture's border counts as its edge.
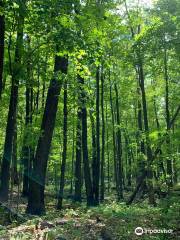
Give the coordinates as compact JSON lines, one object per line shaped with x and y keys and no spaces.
{"x":63,"y":164}
{"x":107,"y":148}
{"x":36,"y":204}
{"x":78,"y":163}
{"x":114,"y":139}
{"x":97,"y":165}
{"x":169,"y":160}
{"x":78,"y":167}
{"x":128,"y":159}
{"x":93,"y":133}
{"x":27,"y":151}
{"x":73,"y":152}
{"x":87,"y":173}
{"x":14,"y":158}
{"x":102,"y":139}
{"x":11,"y":121}
{"x":160,"y":167}
{"x":146,"y":127}
{"x":119,"y":148}
{"x":141,"y":145}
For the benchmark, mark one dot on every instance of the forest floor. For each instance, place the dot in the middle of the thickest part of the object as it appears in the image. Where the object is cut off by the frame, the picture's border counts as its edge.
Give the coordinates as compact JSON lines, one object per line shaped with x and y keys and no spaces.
{"x":109,"y":221}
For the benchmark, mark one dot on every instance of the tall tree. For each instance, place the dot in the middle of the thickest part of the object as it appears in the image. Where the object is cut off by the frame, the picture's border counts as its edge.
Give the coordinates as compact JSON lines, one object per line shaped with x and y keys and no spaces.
{"x":169,"y":160}
{"x":140,"y":140}
{"x":11,"y":121}
{"x":37,"y":184}
{"x":93,"y":133}
{"x":146,"y":128}
{"x":14,"y":177}
{"x":97,"y":165}
{"x":87,"y":173}
{"x":27,"y":150}
{"x":78,"y":162}
{"x":102,"y":137}
{"x":113,"y":137}
{"x":63,"y":164}
{"x":119,"y":148}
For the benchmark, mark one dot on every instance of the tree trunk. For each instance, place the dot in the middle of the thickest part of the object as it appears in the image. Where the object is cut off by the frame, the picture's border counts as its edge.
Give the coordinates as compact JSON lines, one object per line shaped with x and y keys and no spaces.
{"x":93,"y":130}
{"x":63,"y":164}
{"x":107,"y":148}
{"x":97,"y":165}
{"x":87,"y":173}
{"x":73,"y":153}
{"x":10,"y":128}
{"x":140,"y":141}
{"x":146,"y":127}
{"x":44,"y":80}
{"x":2,"y":36}
{"x":160,"y":167}
{"x":102,"y":138}
{"x":114,"y":139}
{"x":78,"y":168}
{"x":169,"y":160}
{"x":14,"y":158}
{"x":37,"y":184}
{"x":38,"y":82}
{"x":128,"y":159}
{"x":27,"y":151}
{"x":119,"y":149}
{"x":78,"y":163}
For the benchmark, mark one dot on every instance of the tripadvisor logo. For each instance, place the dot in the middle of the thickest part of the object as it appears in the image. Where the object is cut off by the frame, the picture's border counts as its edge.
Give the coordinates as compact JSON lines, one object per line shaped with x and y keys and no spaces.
{"x":140,"y":231}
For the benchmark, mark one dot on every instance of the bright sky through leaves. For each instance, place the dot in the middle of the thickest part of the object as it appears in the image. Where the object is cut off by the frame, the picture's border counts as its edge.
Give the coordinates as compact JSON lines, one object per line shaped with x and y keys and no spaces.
{"x":147,"y":3}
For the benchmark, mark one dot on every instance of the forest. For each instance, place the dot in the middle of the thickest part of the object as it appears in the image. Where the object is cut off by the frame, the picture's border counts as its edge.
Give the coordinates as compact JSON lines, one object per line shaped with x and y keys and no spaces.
{"x":90,"y":119}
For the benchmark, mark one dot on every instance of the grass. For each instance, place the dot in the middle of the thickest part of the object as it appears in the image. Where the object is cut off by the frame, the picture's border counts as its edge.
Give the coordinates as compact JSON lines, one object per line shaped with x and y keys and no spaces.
{"x":108,"y":221}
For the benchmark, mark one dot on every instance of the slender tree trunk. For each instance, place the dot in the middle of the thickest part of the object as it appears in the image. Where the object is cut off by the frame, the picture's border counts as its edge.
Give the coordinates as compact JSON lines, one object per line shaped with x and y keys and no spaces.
{"x":114,"y":139}
{"x":38,"y":82}
{"x":128,"y":159}
{"x":37,"y":184}
{"x":63,"y":164}
{"x":169,"y":160}
{"x":119,"y":149}
{"x":107,"y":148}
{"x":97,"y":165}
{"x":87,"y":173}
{"x":14,"y":158}
{"x":73,"y":152}
{"x":78,"y":167}
{"x":102,"y":138}
{"x":141,"y":145}
{"x":78,"y":163}
{"x":160,"y":162}
{"x":44,"y":81}
{"x":10,"y":128}
{"x":146,"y":127}
{"x":93,"y":130}
{"x":2,"y":36}
{"x":43,"y":94}
{"x":27,"y":151}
